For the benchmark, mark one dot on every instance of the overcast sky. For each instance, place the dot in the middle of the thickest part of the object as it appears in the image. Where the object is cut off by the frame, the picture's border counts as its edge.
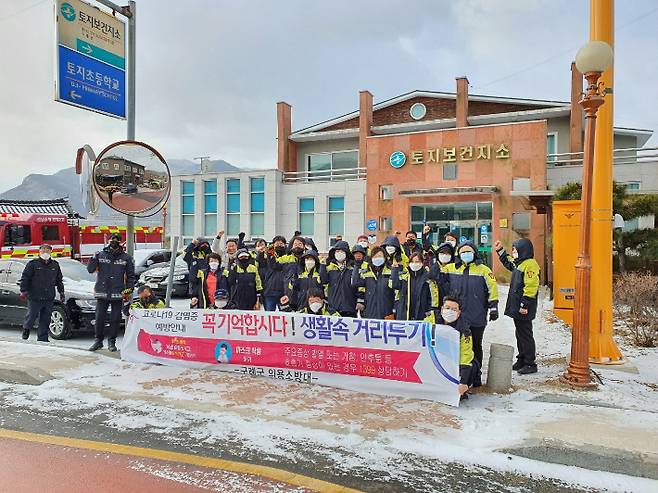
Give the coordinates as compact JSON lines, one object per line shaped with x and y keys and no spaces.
{"x":209,"y":72}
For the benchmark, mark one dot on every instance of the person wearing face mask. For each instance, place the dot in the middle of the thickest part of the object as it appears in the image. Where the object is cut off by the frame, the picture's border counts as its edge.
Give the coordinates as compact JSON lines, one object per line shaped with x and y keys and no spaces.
{"x":475,"y":284}
{"x":291,"y":263}
{"x":394,"y":252}
{"x":244,"y":283}
{"x":362,"y":241}
{"x":411,"y":245}
{"x":308,"y":278}
{"x":336,"y":274}
{"x":40,"y":278}
{"x":315,"y":304}
{"x":115,"y":280}
{"x":522,"y":299}
{"x":416,"y":292}
{"x":451,"y":238}
{"x":146,"y":300}
{"x":450,"y":314}
{"x":227,"y":248}
{"x":271,"y":272}
{"x":444,"y":256}
{"x":208,"y":282}
{"x":376,"y":296}
{"x":195,"y":258}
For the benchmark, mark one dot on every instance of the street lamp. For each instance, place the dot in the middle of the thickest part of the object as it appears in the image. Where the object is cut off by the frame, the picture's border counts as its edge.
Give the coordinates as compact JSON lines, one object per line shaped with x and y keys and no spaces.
{"x":592,"y":60}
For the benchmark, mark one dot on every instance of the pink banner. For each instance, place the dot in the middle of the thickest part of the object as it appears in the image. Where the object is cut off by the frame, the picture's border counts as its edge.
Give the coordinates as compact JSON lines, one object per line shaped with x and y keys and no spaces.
{"x":365,"y":362}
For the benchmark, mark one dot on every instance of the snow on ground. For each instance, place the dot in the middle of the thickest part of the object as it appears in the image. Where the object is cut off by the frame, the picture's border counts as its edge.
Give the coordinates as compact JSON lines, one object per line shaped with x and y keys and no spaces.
{"x":285,"y":420}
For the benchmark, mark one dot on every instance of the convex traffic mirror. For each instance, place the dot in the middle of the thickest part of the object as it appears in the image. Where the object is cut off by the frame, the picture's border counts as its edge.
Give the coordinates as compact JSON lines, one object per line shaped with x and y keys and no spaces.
{"x":132,"y":178}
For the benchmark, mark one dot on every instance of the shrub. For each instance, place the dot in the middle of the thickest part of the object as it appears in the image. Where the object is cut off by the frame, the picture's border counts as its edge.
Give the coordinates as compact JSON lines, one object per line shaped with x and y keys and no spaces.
{"x":636,"y":303}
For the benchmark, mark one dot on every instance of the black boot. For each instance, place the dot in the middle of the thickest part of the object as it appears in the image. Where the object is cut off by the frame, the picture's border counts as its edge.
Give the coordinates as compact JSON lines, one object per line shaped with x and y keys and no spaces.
{"x":26,"y":334}
{"x":111,"y":345}
{"x":98,"y":344}
{"x":528,"y":369}
{"x":518,"y":365}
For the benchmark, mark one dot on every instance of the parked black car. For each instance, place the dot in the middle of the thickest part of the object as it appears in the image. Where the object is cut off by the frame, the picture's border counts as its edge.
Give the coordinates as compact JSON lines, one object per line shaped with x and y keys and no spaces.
{"x":75,"y":314}
{"x":147,"y":259}
{"x":156,"y":278}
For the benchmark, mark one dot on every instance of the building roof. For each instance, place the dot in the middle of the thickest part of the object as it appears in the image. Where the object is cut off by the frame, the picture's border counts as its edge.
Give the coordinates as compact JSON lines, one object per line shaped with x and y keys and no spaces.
{"x":54,"y":206}
{"x":531,"y":103}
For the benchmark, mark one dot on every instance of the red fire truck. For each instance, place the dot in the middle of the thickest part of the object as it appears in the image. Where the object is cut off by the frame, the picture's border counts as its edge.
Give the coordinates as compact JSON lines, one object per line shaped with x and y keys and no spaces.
{"x":25,"y":225}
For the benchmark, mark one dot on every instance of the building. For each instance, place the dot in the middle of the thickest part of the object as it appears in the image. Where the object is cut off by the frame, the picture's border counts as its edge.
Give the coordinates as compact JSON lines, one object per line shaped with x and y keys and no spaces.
{"x":484,"y":167}
{"x":129,"y":171}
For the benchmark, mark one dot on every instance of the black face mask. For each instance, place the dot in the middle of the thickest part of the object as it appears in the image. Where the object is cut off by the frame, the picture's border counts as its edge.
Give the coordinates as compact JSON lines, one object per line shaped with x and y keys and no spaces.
{"x":280,"y":250}
{"x":297,"y":251}
{"x":411,"y":242}
{"x":243,"y":262}
{"x":115,"y":245}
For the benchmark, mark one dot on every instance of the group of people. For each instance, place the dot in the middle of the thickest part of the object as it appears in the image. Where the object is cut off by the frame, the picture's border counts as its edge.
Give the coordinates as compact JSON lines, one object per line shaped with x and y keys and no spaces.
{"x":447,"y":283}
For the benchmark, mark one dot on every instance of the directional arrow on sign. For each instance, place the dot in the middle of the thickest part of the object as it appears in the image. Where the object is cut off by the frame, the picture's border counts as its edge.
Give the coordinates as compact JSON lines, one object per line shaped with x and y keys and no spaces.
{"x":74,"y":95}
{"x":85,"y":47}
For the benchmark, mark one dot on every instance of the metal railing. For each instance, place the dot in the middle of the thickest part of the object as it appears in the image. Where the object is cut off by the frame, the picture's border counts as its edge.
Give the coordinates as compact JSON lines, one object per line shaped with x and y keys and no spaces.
{"x":634,"y":155}
{"x":325,"y":175}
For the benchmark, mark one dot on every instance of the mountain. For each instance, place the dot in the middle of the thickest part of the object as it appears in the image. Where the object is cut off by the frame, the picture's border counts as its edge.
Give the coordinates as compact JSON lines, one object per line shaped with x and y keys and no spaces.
{"x":65,"y":183}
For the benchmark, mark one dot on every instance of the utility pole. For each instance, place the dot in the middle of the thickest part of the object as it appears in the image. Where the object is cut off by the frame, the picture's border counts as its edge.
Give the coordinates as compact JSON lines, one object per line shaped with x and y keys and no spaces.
{"x":129,"y":11}
{"x":201,"y":159}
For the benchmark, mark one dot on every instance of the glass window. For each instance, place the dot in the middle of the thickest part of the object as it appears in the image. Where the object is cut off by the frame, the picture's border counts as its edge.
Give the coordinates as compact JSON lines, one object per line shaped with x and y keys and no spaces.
{"x":328,"y":166}
{"x":319,"y":162}
{"x":210,"y":225}
{"x":210,"y":204}
{"x":257,"y":226}
{"x":188,"y":226}
{"x":232,"y":224}
{"x":307,"y":216}
{"x":485,"y":210}
{"x":233,"y":203}
{"x":385,"y":223}
{"x":233,"y":185}
{"x":336,"y":215}
{"x":187,"y":188}
{"x":258,"y":184}
{"x":336,"y":204}
{"x":257,"y":195}
{"x":49,"y":233}
{"x":449,"y":171}
{"x":442,"y":212}
{"x":345,"y":160}
{"x":464,"y":211}
{"x":188,"y":204}
{"x":521,"y":221}
{"x":210,"y":186}
{"x":417,"y":213}
{"x":18,"y":234}
{"x":634,"y":185}
{"x":385,"y":192}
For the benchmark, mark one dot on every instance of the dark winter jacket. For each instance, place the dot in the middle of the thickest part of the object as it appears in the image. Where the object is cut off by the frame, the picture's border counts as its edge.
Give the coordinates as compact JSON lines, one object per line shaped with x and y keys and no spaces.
{"x":40,"y":278}
{"x":341,"y":294}
{"x":116,"y":273}
{"x":475,"y":285}
{"x":524,"y":284}
{"x":364,"y":251}
{"x":195,"y":258}
{"x":409,"y":250}
{"x":439,"y":274}
{"x":416,"y":293}
{"x":375,"y":290}
{"x":399,"y":254}
{"x":245,"y":285}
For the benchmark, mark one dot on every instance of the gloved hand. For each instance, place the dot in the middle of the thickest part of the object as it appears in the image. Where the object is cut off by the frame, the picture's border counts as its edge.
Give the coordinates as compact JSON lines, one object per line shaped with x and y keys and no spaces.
{"x":127,"y":293}
{"x":62,"y":298}
{"x":241,"y":235}
{"x":493,"y":314}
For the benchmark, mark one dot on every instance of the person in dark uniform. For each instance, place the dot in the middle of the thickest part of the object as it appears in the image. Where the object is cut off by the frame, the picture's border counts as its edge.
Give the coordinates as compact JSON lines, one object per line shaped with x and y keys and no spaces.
{"x":244,"y":283}
{"x":336,"y":274}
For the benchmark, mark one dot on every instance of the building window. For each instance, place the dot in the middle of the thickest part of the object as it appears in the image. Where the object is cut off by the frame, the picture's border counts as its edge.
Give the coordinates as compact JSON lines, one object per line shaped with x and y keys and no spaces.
{"x":385,"y":223}
{"x":257,"y":205}
{"x":116,"y":166}
{"x":210,"y":207}
{"x":450,"y":171}
{"x":521,"y":184}
{"x":521,"y":221}
{"x":306,"y":216}
{"x":49,"y":233}
{"x":336,"y":216}
{"x":551,"y":147}
{"x":126,"y":168}
{"x":385,"y":192}
{"x":632,"y":185}
{"x":232,"y":206}
{"x":332,"y":165}
{"x":187,"y":208}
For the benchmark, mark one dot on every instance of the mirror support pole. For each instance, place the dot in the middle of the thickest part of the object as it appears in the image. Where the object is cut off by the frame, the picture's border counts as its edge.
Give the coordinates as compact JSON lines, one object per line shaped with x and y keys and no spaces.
{"x":172,"y":270}
{"x":130,"y":220}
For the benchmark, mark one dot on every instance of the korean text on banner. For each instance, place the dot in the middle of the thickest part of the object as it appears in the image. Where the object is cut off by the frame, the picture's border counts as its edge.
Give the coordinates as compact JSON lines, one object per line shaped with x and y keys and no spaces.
{"x":389,"y":357}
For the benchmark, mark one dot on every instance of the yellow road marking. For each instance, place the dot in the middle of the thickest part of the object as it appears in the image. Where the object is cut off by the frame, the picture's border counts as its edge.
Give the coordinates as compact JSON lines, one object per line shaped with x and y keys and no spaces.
{"x":195,"y":460}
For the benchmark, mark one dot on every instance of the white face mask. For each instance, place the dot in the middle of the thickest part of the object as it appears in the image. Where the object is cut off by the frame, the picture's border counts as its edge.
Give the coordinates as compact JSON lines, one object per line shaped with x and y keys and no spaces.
{"x":340,"y":255}
{"x":44,"y":256}
{"x":515,"y":254}
{"x":309,"y":264}
{"x":378,"y":261}
{"x":415,"y":266}
{"x":444,"y":258}
{"x":452,"y":242}
{"x":315,"y":306}
{"x":390,"y":250}
{"x":449,"y":315}
{"x":220,"y":304}
{"x":364,"y":244}
{"x":213,"y":265}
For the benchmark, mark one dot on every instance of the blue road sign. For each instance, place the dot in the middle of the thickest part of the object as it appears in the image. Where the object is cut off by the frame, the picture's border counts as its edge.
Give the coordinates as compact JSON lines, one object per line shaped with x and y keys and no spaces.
{"x":372,"y":225}
{"x":397,"y":159}
{"x":91,"y":84}
{"x":462,"y":239}
{"x":484,"y":228}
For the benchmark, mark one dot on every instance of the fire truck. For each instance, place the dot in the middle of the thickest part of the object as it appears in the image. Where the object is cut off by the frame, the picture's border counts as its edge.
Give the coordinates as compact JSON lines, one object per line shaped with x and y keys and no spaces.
{"x":27,"y":224}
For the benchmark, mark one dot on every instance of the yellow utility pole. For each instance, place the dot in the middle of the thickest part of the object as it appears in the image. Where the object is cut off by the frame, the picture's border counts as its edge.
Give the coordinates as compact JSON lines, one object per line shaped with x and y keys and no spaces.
{"x":602,"y":348}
